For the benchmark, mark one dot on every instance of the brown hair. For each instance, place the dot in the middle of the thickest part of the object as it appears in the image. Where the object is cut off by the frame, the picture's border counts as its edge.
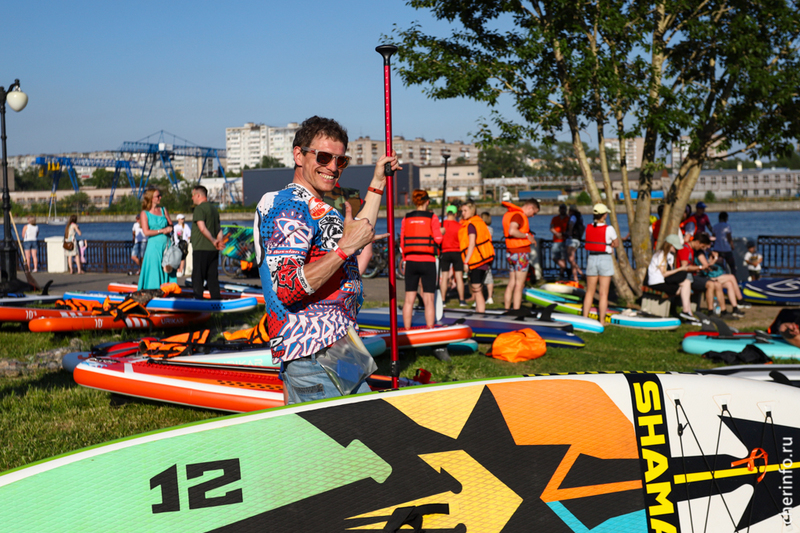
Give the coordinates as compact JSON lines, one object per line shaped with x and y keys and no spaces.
{"x":147,"y":198}
{"x":315,"y":126}
{"x":73,"y":219}
{"x":703,"y":238}
{"x":471,"y":204}
{"x":419,"y":197}
{"x":532,"y":201}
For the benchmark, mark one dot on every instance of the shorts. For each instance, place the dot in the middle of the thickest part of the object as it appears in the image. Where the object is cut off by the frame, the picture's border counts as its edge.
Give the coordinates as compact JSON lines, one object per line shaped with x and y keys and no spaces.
{"x":306,"y":381}
{"x":138,"y":249}
{"x":477,"y":276}
{"x":574,"y":243}
{"x":518,"y":262}
{"x":451,"y":258}
{"x":558,"y":251}
{"x":600,"y":265}
{"x":29,"y":245}
{"x":699,"y":282}
{"x":417,"y":271}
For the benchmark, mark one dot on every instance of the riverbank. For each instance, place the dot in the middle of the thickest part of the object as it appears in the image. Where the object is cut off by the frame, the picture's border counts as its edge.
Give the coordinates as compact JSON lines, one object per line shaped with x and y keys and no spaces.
{"x":499,"y":210}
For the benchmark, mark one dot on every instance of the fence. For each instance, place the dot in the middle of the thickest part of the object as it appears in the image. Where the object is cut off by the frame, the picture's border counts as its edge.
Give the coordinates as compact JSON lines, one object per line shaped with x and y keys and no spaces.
{"x":781,"y":256}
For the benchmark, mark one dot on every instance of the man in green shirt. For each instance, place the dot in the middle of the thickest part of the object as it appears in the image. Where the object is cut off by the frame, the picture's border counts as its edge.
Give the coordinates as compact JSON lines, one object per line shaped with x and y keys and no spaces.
{"x":206,"y":243}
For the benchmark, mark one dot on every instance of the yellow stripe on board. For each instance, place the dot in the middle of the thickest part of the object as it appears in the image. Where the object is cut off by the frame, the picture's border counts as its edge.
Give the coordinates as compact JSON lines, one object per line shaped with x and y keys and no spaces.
{"x":728,"y":473}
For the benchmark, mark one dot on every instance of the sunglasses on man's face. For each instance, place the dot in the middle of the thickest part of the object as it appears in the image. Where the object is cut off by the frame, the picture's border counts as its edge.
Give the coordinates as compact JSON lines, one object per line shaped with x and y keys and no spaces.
{"x":323,"y":158}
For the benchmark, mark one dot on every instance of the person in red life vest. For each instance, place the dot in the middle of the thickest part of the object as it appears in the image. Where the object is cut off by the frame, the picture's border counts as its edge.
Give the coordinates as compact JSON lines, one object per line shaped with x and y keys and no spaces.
{"x":519,"y":238}
{"x":599,"y":241}
{"x":477,"y":251}
{"x":558,"y":227}
{"x":700,"y":280}
{"x":451,"y":256}
{"x":419,"y":237}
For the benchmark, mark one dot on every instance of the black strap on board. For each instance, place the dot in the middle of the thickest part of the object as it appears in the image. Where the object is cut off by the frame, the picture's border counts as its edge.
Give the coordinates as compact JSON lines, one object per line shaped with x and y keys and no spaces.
{"x":412,"y":516}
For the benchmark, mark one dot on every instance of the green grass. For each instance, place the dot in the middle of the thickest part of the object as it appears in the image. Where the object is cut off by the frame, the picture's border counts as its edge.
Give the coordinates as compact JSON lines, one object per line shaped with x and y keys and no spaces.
{"x":47,"y":414}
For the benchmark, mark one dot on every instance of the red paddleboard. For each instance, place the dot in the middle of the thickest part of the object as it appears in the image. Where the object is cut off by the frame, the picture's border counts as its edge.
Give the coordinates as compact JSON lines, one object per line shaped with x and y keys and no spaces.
{"x":82,"y":323}
{"x":26,"y":314}
{"x":124,"y":288}
{"x":421,"y":337}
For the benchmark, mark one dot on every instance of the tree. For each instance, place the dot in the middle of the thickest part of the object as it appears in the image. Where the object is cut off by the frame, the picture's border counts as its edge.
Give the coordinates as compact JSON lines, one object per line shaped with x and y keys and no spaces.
{"x":731,"y":71}
{"x":270,"y":162}
{"x":498,"y":161}
{"x":101,"y":178}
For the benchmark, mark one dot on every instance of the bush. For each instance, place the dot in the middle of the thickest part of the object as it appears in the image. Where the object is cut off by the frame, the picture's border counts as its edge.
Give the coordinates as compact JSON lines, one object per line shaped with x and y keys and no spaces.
{"x":710,"y":197}
{"x":584,"y":198}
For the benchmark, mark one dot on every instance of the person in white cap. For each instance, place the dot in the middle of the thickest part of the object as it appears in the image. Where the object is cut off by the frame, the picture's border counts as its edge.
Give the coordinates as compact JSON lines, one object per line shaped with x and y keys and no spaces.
{"x":665,"y":275}
{"x":182,"y":233}
{"x":599,"y":241}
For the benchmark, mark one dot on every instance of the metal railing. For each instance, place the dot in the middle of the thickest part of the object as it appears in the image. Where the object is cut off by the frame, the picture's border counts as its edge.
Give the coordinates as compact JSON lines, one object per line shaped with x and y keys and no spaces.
{"x":781,"y":255}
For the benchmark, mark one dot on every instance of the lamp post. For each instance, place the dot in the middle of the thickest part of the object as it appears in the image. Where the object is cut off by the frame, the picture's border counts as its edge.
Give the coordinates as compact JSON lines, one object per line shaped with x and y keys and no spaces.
{"x":444,"y":185}
{"x":17,"y":100}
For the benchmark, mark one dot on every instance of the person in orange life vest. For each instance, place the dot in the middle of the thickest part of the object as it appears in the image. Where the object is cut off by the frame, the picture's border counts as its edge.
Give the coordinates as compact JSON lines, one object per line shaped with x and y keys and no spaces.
{"x":476,"y":250}
{"x":519,"y":238}
{"x":451,"y":256}
{"x":688,"y":225}
{"x":599,"y":241}
{"x":419,"y":235}
{"x":558,"y":226}
{"x":489,"y":281}
{"x":573,"y":237}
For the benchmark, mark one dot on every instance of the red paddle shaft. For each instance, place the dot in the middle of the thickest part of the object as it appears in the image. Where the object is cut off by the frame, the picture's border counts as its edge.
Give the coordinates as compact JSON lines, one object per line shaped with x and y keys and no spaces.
{"x":386,"y":50}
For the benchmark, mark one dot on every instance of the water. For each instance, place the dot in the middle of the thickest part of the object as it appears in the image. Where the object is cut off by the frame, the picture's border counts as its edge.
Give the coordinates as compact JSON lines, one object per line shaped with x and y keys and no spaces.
{"x":747,"y":224}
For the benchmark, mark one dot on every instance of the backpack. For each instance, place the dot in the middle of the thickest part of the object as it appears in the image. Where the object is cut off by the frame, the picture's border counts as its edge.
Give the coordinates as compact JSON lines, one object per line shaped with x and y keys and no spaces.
{"x":578,"y":228}
{"x":518,"y":346}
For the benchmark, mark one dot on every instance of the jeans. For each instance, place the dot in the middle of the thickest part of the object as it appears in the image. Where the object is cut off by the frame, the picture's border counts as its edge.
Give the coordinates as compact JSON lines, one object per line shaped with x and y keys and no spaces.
{"x":305,"y":380}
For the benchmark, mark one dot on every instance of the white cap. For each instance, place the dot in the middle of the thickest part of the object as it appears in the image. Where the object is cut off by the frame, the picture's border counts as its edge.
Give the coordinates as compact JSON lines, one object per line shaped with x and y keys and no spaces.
{"x":181,"y":216}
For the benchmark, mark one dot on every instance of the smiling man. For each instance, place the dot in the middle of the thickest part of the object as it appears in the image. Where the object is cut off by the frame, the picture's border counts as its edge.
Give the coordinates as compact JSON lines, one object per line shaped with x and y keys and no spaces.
{"x":306,"y":254}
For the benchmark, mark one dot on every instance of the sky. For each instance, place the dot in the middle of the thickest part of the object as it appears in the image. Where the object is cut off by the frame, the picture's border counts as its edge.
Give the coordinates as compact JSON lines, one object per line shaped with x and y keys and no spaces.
{"x":101,"y":73}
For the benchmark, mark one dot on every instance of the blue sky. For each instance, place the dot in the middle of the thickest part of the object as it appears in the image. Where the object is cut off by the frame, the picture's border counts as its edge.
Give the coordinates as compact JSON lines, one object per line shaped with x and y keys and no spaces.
{"x":100,"y":73}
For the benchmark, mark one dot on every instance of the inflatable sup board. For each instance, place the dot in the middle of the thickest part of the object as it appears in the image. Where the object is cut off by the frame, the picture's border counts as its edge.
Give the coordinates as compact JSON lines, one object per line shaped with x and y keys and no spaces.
{"x":537,"y":315}
{"x":125,"y":288}
{"x":574,"y":453}
{"x":26,"y":314}
{"x":771,"y":345}
{"x":15,"y":301}
{"x":84,"y":323}
{"x":617,"y":316}
{"x":185,"y":305}
{"x":485,"y":328}
{"x":421,"y":336}
{"x":772,"y":291}
{"x":784,"y":374}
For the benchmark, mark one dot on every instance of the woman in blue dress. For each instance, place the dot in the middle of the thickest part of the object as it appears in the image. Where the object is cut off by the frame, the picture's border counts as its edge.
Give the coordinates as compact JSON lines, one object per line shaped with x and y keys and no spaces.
{"x":156,"y":225}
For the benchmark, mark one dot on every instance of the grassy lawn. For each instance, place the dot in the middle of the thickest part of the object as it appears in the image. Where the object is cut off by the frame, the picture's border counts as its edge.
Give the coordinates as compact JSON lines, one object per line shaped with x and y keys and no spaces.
{"x":46,"y":414}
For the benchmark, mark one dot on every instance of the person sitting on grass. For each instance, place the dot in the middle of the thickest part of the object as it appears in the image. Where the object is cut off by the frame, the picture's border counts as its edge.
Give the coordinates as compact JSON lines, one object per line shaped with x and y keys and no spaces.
{"x":790,"y":332}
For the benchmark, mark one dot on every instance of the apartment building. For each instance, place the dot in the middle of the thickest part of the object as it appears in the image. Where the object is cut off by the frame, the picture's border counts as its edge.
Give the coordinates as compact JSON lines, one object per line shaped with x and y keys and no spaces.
{"x":367,"y":151}
{"x":463,"y":180}
{"x":745,"y":184}
{"x":680,"y":150}
{"x":633,"y":152}
{"x":246,"y":146}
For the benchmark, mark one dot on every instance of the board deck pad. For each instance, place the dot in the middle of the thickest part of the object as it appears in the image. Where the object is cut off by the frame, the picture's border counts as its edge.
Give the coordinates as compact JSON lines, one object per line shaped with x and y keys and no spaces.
{"x":631,"y":452}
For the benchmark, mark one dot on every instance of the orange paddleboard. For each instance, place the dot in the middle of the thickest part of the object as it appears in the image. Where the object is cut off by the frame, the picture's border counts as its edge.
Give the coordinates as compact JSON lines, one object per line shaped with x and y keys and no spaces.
{"x":82,"y":323}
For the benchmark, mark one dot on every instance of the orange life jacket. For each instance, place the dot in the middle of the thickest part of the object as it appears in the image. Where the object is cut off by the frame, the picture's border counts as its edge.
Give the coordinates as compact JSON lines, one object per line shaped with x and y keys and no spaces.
{"x":688,"y":236}
{"x":514,"y":242}
{"x":256,"y":335}
{"x":181,"y":344}
{"x":417,"y":234}
{"x":596,"y":238}
{"x":484,"y":251}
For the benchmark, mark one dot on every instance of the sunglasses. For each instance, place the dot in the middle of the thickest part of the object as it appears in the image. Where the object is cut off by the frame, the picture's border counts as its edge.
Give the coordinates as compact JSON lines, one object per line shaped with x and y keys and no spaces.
{"x":323,"y":158}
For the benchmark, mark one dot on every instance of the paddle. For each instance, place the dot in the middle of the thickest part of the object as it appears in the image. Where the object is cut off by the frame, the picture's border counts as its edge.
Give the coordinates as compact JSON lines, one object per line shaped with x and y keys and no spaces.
{"x":439,"y":301}
{"x":386,"y":50}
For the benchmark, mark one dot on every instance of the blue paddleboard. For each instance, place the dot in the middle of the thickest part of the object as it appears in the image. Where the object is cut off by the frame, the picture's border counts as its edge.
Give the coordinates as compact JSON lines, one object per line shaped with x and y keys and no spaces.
{"x":773,"y":346}
{"x":185,"y":305}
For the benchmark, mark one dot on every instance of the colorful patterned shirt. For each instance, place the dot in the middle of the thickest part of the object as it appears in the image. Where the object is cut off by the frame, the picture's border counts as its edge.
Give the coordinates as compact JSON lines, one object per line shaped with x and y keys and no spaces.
{"x":292,"y":228}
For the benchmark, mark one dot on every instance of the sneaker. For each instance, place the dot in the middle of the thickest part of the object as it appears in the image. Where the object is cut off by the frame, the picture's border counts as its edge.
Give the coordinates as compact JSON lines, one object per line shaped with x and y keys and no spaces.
{"x":462,"y":303}
{"x":474,"y":304}
{"x":737,"y":312}
{"x":742,"y":305}
{"x":727,"y":315}
{"x":691,"y":319}
{"x":489,"y":301}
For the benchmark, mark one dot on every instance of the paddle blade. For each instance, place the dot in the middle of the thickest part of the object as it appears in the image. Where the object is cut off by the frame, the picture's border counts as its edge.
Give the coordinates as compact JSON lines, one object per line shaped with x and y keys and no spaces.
{"x":439,"y":306}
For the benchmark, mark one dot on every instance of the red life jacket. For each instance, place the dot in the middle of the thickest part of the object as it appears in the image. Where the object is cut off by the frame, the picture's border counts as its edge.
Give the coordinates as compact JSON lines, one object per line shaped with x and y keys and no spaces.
{"x":417,"y":234}
{"x":450,"y":241}
{"x":596,"y":238}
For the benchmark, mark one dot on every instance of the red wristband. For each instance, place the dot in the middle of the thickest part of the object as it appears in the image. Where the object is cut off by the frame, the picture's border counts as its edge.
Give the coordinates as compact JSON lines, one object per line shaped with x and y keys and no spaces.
{"x":379,"y":192}
{"x":340,"y":253}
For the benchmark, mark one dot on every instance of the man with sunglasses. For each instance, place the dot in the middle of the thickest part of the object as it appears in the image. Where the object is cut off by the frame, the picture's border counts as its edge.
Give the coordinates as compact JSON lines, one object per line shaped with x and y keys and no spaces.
{"x":306,"y":253}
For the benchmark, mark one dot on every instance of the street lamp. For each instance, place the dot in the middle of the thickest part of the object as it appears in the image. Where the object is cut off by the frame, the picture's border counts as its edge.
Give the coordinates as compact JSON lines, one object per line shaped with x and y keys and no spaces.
{"x":17,"y":100}
{"x":444,"y":185}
